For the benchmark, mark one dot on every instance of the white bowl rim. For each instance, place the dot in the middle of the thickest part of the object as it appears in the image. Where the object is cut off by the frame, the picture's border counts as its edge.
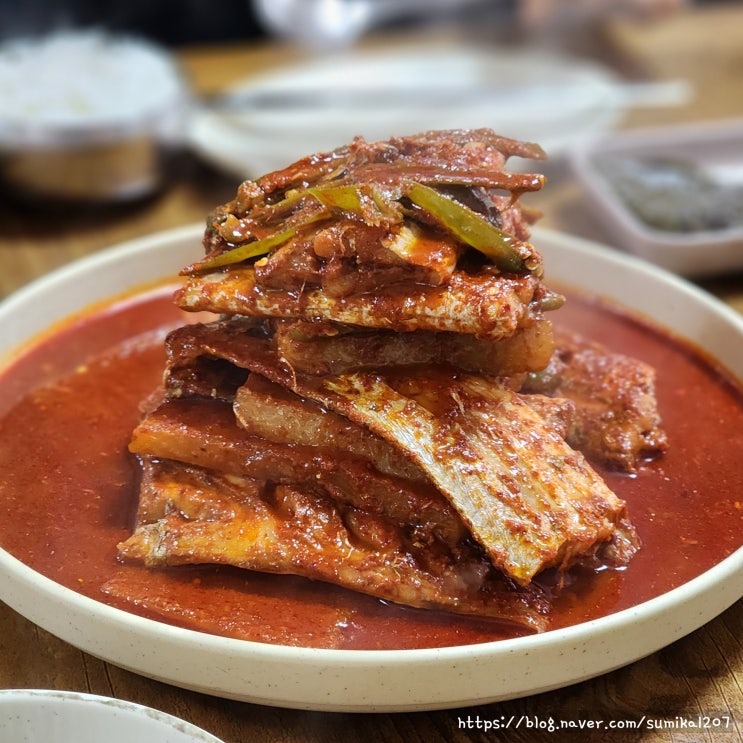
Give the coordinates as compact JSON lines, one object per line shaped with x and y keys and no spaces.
{"x":10,"y":697}
{"x":658,"y":605}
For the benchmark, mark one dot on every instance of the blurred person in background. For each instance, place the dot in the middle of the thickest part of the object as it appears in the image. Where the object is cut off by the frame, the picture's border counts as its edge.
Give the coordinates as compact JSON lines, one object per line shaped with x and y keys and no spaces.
{"x":205,"y":21}
{"x":167,"y":22}
{"x":343,"y":21}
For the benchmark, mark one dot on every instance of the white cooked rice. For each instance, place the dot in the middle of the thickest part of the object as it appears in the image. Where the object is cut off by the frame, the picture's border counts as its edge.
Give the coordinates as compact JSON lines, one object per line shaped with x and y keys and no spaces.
{"x":84,"y":79}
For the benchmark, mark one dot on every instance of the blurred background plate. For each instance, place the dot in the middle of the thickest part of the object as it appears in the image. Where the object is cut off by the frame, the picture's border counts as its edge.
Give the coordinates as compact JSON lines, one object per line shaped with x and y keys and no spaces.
{"x":48,"y":716}
{"x":529,"y":95}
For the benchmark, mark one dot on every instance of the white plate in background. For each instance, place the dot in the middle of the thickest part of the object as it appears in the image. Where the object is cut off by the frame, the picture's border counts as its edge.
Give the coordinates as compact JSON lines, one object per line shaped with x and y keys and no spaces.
{"x":375,"y":680}
{"x":535,"y":96}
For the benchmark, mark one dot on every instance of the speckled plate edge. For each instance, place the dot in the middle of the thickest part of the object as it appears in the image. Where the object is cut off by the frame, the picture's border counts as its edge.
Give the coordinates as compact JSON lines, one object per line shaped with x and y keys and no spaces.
{"x":36,"y":715}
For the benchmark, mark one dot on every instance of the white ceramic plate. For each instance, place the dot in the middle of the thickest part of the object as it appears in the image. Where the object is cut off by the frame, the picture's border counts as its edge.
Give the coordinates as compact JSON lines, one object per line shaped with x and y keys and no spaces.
{"x":47,"y":716}
{"x":554,"y":100}
{"x":369,"y":680}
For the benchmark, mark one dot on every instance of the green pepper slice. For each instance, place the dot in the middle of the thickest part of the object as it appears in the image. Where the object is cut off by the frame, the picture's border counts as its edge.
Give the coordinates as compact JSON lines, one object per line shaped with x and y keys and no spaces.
{"x":362,"y":200}
{"x":468,"y":226}
{"x":346,"y":197}
{"x":246,"y":251}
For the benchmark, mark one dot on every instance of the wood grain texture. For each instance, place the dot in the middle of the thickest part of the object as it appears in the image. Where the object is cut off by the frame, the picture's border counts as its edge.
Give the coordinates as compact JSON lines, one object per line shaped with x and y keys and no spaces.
{"x":701,"y":674}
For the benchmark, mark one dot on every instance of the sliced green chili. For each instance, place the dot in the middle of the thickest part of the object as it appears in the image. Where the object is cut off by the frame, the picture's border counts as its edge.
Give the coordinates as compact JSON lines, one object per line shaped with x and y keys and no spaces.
{"x":468,"y":226}
{"x":374,"y":207}
{"x":346,"y":197}
{"x":362,"y":200}
{"x":246,"y":251}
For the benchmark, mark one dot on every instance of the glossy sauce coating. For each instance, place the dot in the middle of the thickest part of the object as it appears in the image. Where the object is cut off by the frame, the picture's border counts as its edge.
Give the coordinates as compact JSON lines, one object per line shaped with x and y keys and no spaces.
{"x":68,"y":487}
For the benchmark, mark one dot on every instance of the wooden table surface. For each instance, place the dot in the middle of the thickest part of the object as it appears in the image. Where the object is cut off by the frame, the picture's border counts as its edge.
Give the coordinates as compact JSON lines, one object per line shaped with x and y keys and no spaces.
{"x":701,"y":674}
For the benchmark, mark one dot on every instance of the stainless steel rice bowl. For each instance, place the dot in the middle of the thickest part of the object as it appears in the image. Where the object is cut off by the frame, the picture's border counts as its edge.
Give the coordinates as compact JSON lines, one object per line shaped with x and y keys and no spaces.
{"x":87,"y":116}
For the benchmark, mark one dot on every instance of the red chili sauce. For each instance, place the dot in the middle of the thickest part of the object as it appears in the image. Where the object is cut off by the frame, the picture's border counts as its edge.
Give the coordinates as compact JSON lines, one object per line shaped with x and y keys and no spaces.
{"x":68,"y":488}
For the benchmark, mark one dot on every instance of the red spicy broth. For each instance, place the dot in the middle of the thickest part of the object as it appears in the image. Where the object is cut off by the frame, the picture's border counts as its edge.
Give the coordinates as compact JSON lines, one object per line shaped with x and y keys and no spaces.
{"x":68,"y":488}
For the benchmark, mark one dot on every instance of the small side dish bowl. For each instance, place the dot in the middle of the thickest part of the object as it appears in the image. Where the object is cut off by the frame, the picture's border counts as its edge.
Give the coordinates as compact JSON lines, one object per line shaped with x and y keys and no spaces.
{"x":86,"y":116}
{"x":46,"y":716}
{"x":672,"y":195}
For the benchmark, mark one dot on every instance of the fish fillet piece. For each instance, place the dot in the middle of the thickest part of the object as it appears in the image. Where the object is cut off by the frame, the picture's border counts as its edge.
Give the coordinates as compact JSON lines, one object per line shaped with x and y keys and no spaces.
{"x":617,"y":420}
{"x":530,"y":500}
{"x":326,"y":348}
{"x":267,"y":410}
{"x":487,"y":305}
{"x":225,"y":519}
{"x":204,"y":433}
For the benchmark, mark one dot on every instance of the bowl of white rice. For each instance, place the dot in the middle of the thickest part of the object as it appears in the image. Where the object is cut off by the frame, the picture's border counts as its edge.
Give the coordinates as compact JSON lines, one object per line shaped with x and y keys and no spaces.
{"x":87,"y":115}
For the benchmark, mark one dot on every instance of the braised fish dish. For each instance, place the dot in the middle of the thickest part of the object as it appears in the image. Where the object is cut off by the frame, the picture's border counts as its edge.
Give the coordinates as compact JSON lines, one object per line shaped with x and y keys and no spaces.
{"x":380,"y":401}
